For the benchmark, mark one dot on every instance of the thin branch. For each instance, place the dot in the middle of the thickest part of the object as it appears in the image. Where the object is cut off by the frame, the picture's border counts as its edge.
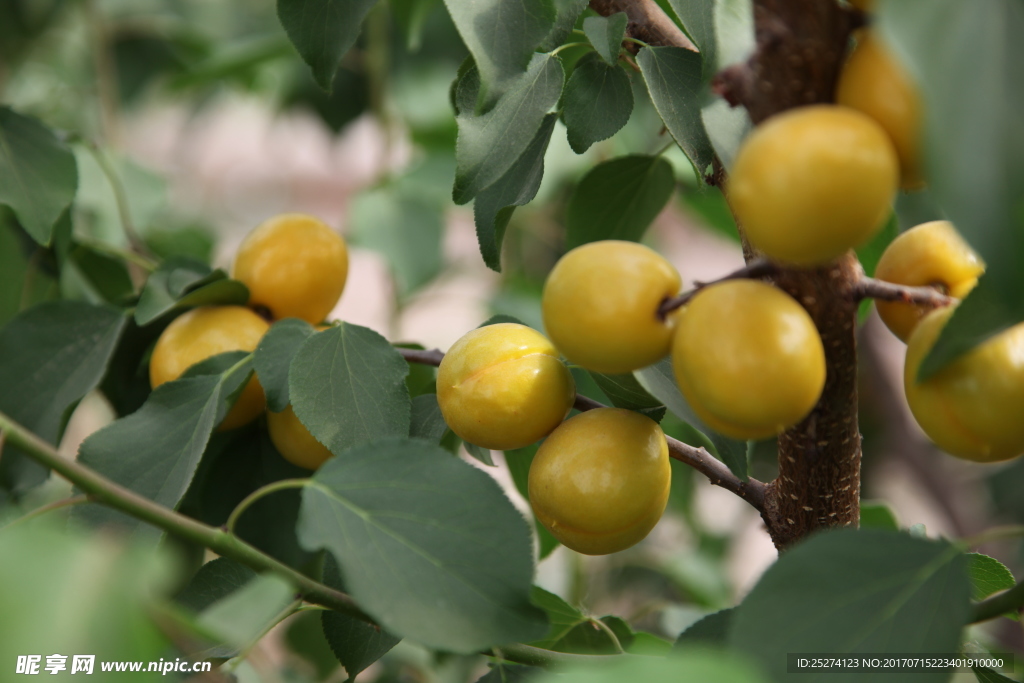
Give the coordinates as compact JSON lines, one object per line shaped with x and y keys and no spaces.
{"x":717,"y":472}
{"x":870,"y":288}
{"x":998,"y":605}
{"x":757,"y":269}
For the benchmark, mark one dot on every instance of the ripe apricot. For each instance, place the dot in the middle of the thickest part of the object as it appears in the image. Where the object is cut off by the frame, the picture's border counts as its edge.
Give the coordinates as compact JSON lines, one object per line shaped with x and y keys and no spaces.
{"x":931,"y":254}
{"x":503,"y":386}
{"x":813,"y":182}
{"x":748,"y":359}
{"x":875,"y":83}
{"x":600,"y":305}
{"x":295,"y":266}
{"x":600,"y":482}
{"x":204,"y":332}
{"x":972,"y":407}
{"x":294,"y":442}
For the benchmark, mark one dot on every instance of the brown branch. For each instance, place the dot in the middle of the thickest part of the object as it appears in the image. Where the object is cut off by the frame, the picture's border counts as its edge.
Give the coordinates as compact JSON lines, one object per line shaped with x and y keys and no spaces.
{"x":717,"y":472}
{"x":755,"y":270}
{"x":870,"y":288}
{"x":647,"y":22}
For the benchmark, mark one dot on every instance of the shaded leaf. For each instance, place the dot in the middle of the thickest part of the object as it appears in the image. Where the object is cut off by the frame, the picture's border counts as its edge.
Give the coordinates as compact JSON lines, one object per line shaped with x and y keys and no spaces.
{"x":214,"y":581}
{"x":181,"y":283}
{"x":38,"y":174}
{"x":596,"y":103}
{"x":273,"y":356}
{"x":673,"y":76}
{"x":347,"y":386}
{"x":606,"y":34}
{"x":479,"y":453}
{"x":986,"y":675}
{"x":428,"y":544}
{"x":566,"y":13}
{"x":323,"y":31}
{"x":624,"y":391}
{"x":690,"y":665}
{"x":244,"y":615}
{"x":988,"y":576}
{"x":713,"y":628}
{"x":493,"y":207}
{"x":106,"y":278}
{"x":427,"y":421}
{"x":618,"y":199}
{"x":503,"y":672}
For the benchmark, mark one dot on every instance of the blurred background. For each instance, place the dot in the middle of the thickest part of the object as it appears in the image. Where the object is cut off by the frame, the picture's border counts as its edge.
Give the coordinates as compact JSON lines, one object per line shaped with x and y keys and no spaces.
{"x":211,"y":123}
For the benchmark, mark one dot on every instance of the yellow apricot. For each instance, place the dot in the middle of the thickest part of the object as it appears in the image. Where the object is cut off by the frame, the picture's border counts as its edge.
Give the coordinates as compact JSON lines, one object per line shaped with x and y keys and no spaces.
{"x":972,"y":407}
{"x":875,"y":83}
{"x":600,"y":482}
{"x":813,"y":182}
{"x":295,"y":266}
{"x":294,"y":442}
{"x":204,"y":332}
{"x":503,"y":386}
{"x":748,"y":359}
{"x":600,"y":306}
{"x":931,"y":254}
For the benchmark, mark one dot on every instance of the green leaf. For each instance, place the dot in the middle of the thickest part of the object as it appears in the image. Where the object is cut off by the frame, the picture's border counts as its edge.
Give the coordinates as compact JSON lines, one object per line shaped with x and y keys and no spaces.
{"x":489,"y":144}
{"x":347,"y":386}
{"x":566,"y":14}
{"x":518,"y":462}
{"x":428,"y":545}
{"x":649,"y":644}
{"x":411,"y":15}
{"x":702,"y":664}
{"x":427,"y":421}
{"x":562,"y":616}
{"x":323,"y":31}
{"x":106,"y":279}
{"x":214,"y":581}
{"x":871,"y":253}
{"x":659,"y":381}
{"x":988,"y":576}
{"x":597,"y":102}
{"x":493,"y":207}
{"x":713,"y":628}
{"x":479,"y":453}
{"x":606,"y":34}
{"x":849,"y":591}
{"x":618,"y":199}
{"x":102,"y":592}
{"x":673,"y":76}
{"x":273,"y":356}
{"x":38,"y":174}
{"x":726,"y":127}
{"x":503,"y":672}
{"x":624,"y":391}
{"x":244,"y":615}
{"x":51,"y":355}
{"x":181,"y":283}
{"x":407,"y":230}
{"x":986,"y":675}
{"x":877,"y":516}
{"x":175,"y":424}
{"x":965,"y":59}
{"x":502,"y":37}
{"x":698,"y":19}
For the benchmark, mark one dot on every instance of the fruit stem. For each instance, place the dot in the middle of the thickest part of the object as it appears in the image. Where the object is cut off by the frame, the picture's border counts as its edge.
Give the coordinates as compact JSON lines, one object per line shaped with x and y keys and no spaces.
{"x":758,"y":269}
{"x":870,"y":288}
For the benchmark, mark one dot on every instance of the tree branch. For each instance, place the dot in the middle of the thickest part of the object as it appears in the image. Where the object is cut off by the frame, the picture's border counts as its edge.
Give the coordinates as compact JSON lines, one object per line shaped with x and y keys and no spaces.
{"x":717,"y":472}
{"x":870,"y":288}
{"x":757,"y":269}
{"x":647,"y":22}
{"x":1011,"y":600}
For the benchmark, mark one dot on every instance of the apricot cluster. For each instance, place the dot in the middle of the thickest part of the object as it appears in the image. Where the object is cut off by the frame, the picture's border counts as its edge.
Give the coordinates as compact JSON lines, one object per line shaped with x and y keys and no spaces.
{"x":294,"y":266}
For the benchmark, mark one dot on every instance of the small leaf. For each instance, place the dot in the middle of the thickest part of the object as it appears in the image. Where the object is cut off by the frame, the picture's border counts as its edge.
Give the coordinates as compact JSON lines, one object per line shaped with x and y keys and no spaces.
{"x":493,"y":207}
{"x":502,"y":37}
{"x":427,"y":421}
{"x":713,"y":628}
{"x":244,"y":615}
{"x":38,"y":174}
{"x":660,"y":382}
{"x":624,"y":391}
{"x":849,"y":591}
{"x":566,"y":14}
{"x":175,"y":423}
{"x":877,"y":516}
{"x":51,"y":355}
{"x":618,"y":199}
{"x":673,"y":76}
{"x":596,"y":103}
{"x":479,"y":453}
{"x":489,"y":144}
{"x":988,"y":576}
{"x":273,"y":356}
{"x":428,"y":545}
{"x":214,"y":581}
{"x":606,"y":34}
{"x":323,"y":31}
{"x":347,"y":386}
{"x":562,"y":616}
{"x":407,"y":230}
{"x":181,"y":283}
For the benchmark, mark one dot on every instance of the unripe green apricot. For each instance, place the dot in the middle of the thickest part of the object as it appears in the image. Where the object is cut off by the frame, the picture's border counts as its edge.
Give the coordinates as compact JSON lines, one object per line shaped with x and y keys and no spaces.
{"x":503,"y":386}
{"x":600,"y":482}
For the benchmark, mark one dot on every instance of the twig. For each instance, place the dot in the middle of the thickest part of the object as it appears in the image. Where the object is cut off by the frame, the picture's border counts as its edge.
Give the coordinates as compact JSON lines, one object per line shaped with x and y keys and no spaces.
{"x":998,"y":605}
{"x":248,"y":501}
{"x":871,"y":288}
{"x":717,"y":472}
{"x":755,"y":270}
{"x":647,"y":22}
